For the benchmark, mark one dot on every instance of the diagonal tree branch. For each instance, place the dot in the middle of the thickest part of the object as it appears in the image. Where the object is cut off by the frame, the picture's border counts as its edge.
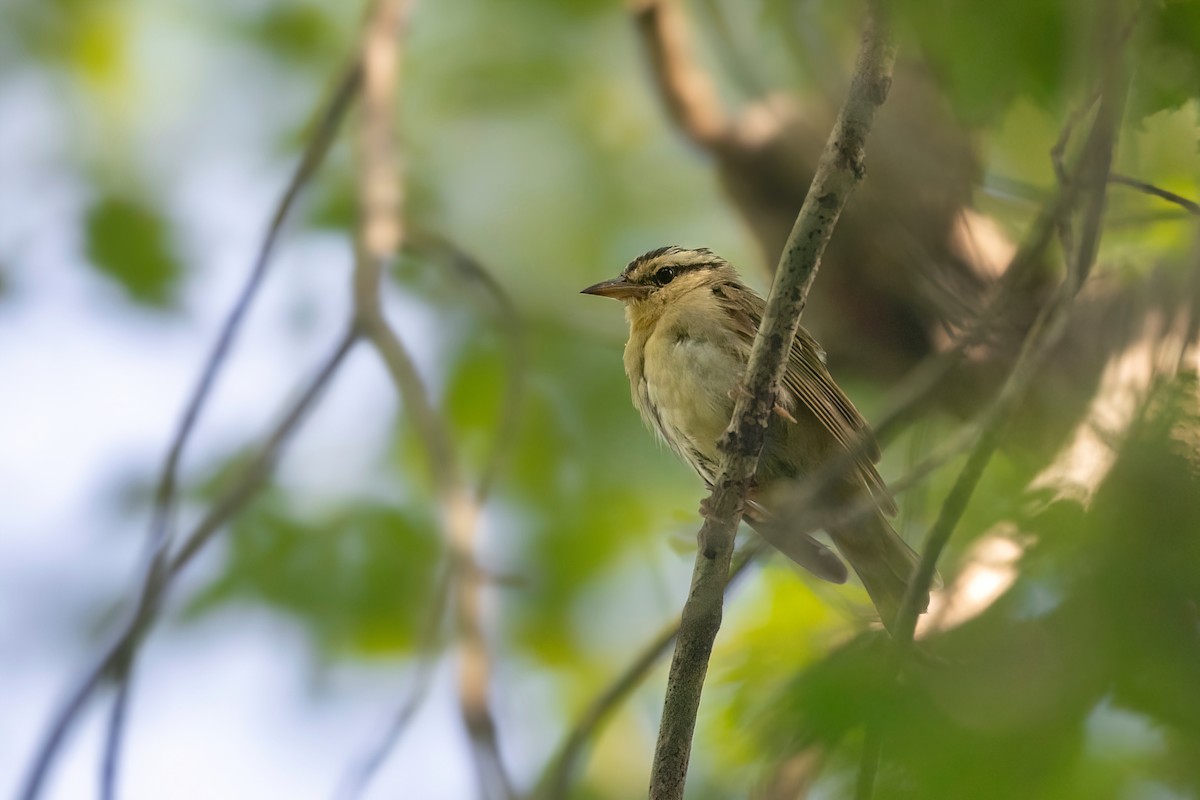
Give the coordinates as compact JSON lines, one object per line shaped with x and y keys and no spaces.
{"x":841,"y":168}
{"x":163,"y":566}
{"x":328,"y":122}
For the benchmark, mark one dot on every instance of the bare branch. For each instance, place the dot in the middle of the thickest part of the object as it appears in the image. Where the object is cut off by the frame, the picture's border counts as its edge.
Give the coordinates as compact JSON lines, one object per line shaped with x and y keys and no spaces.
{"x":840,"y":169}
{"x":1058,"y":152}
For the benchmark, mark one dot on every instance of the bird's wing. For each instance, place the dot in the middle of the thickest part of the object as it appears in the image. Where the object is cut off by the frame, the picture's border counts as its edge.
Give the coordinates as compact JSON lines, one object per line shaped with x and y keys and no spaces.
{"x":808,"y":380}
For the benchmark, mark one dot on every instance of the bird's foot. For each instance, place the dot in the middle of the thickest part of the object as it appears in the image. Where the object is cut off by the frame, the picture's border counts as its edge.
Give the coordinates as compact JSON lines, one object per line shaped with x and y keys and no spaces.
{"x":740,"y":391}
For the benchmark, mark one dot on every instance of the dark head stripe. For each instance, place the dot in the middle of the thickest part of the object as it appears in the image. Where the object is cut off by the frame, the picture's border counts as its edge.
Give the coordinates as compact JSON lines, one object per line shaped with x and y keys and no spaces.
{"x":650,"y":256}
{"x":645,"y":258}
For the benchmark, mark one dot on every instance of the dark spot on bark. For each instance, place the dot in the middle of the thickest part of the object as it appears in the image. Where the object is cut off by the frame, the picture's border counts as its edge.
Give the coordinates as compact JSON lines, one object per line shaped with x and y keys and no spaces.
{"x":880,"y":88}
{"x":850,"y":159}
{"x":828,"y":200}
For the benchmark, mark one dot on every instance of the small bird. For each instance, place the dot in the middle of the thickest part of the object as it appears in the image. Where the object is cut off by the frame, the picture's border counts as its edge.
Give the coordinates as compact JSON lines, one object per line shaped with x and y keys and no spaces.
{"x":691,"y":326}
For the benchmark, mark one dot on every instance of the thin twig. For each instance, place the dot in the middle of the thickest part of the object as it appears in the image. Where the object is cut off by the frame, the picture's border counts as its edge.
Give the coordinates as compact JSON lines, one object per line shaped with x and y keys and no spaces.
{"x":259,"y":470}
{"x":1191,"y":206}
{"x":115,"y":730}
{"x":839,"y":171}
{"x":1042,"y":336}
{"x":328,"y":121}
{"x":152,"y":590}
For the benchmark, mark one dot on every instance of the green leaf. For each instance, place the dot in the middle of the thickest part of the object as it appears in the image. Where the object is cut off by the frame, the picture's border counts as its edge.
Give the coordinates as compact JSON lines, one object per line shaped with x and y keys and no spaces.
{"x":130,"y":244}
{"x":988,"y":54}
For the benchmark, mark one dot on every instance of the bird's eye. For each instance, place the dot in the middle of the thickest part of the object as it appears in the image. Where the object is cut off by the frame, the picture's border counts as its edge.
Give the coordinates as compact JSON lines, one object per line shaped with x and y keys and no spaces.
{"x":664,"y":276}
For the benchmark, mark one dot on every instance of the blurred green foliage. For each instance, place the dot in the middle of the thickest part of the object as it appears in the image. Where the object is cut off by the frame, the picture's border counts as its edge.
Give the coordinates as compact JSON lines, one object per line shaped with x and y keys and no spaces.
{"x":533,"y":138}
{"x":1169,"y":67}
{"x":129,"y":243}
{"x":987,"y":55}
{"x":360,"y":576}
{"x":295,"y":32}
{"x":1077,"y":683}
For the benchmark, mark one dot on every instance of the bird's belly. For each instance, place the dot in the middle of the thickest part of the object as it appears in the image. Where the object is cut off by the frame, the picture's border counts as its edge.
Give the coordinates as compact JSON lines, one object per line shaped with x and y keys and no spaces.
{"x":690,"y":385}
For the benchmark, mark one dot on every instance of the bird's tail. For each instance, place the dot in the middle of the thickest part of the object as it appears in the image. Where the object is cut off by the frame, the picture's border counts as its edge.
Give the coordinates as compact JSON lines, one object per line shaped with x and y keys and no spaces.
{"x":799,"y":546}
{"x":882,"y":560}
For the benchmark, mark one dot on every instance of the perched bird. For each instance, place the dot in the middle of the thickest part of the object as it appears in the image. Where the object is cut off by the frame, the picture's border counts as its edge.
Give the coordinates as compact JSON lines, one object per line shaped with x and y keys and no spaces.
{"x":691,"y":326}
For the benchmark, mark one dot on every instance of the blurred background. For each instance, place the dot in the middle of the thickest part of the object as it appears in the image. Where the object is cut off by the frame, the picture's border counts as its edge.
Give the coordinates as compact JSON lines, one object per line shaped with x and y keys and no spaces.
{"x":144,"y":147}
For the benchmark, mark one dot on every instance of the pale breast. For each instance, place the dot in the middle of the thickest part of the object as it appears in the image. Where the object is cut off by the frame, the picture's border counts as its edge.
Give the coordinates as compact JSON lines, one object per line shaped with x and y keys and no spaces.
{"x":689,"y":377}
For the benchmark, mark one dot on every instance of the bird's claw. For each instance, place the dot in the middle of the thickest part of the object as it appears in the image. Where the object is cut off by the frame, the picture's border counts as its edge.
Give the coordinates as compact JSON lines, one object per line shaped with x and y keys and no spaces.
{"x":739,"y":391}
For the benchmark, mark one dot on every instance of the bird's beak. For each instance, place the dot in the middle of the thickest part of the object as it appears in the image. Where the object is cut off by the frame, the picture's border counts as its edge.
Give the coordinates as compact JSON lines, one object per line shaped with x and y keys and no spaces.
{"x":617,"y":288}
